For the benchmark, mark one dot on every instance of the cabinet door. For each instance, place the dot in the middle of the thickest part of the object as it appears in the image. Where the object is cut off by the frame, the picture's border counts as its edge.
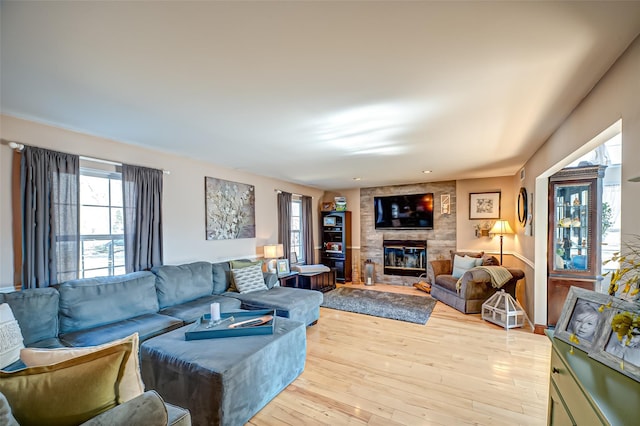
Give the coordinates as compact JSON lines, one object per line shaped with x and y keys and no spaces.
{"x":572,"y":228}
{"x":558,"y":414}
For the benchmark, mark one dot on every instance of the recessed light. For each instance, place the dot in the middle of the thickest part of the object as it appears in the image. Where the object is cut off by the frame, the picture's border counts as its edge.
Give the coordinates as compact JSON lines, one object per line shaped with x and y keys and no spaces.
{"x":426,"y":172}
{"x":357,"y":178}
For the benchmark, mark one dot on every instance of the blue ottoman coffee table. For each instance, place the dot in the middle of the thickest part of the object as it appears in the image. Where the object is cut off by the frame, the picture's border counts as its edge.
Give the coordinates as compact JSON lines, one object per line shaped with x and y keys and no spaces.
{"x":224,"y":381}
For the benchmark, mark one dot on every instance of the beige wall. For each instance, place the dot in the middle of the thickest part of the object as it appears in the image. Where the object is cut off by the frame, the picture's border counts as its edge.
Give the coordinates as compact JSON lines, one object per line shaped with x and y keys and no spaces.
{"x":466,"y":239}
{"x":183,"y":201}
{"x":615,"y":97}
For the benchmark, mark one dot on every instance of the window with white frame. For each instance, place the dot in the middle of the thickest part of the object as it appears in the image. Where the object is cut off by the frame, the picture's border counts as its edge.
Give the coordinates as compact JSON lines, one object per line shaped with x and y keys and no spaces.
{"x":101,"y":223}
{"x":296,"y":228}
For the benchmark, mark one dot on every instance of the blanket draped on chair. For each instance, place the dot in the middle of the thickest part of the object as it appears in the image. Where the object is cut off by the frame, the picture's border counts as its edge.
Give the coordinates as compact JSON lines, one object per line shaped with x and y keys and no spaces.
{"x":499,"y":275}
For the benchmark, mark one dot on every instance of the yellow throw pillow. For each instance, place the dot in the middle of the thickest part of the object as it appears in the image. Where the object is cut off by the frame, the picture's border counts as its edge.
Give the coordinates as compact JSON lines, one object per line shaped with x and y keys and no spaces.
{"x":131,"y":384}
{"x":69,"y":392}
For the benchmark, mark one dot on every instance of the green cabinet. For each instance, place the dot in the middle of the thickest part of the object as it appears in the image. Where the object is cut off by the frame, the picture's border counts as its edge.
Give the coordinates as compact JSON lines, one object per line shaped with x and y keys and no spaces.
{"x":583,"y":391}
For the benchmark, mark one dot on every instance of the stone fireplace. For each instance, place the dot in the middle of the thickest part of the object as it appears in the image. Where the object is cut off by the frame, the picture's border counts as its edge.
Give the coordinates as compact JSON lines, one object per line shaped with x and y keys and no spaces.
{"x":442,"y":238}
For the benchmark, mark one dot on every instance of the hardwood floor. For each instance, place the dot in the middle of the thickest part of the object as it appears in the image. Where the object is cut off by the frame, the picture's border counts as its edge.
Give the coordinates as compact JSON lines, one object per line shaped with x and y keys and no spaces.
{"x":455,"y":370}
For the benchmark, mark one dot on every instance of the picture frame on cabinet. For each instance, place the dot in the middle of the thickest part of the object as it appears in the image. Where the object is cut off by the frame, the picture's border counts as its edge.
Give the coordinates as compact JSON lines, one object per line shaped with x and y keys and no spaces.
{"x":581,"y":318}
{"x":623,"y":355}
{"x":484,"y":205}
{"x":282,"y":266}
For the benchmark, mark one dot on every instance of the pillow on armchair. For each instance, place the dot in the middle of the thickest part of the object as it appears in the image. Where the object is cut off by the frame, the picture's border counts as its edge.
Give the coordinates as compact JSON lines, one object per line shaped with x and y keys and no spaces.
{"x":463,"y":264}
{"x":68,"y":392}
{"x":129,"y":387}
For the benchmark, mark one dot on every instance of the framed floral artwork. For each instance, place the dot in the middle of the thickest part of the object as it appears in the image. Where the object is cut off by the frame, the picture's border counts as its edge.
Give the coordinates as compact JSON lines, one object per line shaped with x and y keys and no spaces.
{"x":230,"y":209}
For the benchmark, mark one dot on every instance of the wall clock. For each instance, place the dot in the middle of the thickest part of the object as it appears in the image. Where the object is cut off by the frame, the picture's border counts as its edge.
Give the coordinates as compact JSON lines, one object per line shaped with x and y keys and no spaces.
{"x":522,"y":206}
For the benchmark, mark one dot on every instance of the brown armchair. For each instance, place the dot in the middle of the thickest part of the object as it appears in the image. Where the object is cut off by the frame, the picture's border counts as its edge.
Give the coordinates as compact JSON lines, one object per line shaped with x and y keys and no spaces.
{"x":475,"y":286}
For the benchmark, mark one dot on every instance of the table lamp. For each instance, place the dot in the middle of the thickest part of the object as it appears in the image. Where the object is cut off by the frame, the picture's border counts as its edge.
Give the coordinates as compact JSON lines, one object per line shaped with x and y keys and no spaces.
{"x":501,"y":227}
{"x":271,"y":253}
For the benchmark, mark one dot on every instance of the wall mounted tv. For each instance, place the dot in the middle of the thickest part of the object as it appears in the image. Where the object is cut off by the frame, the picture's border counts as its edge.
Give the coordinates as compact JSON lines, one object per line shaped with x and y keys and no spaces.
{"x":413,"y":211}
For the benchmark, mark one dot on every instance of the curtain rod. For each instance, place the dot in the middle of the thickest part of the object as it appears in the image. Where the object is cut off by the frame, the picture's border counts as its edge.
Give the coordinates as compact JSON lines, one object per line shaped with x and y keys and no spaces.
{"x":297,"y":195}
{"x":19,"y":147}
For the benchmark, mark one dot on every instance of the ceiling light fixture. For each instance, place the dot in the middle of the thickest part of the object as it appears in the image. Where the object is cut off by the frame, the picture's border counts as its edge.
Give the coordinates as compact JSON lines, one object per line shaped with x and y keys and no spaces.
{"x":357,"y":178}
{"x":426,"y":172}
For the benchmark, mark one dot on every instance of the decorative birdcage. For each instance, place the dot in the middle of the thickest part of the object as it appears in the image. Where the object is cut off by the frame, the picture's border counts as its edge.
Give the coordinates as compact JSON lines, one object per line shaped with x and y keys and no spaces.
{"x":502,"y":309}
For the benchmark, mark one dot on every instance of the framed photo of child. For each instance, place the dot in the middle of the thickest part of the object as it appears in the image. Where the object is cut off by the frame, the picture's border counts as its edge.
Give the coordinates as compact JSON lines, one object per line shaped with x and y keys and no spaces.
{"x":620,"y":352}
{"x":581,"y":318}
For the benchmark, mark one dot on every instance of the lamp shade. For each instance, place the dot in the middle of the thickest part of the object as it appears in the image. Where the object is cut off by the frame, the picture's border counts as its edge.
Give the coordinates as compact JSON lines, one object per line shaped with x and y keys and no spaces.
{"x":279,"y":250}
{"x":270,"y":252}
{"x":501,"y":227}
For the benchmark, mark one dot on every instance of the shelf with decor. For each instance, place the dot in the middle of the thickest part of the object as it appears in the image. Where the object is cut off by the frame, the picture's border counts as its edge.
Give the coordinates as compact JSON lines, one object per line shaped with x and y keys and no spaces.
{"x":575,"y":211}
{"x":336,"y":243}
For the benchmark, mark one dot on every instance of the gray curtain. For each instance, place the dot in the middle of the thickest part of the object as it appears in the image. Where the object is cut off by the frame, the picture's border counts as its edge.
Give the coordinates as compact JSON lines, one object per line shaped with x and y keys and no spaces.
{"x":284,"y":222}
{"x":307,"y":230}
{"x":142,"y":192}
{"x":49,"y":183}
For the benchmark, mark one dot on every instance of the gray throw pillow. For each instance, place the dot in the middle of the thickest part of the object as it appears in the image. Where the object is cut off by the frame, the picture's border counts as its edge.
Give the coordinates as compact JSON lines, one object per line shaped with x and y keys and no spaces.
{"x":249,"y":279}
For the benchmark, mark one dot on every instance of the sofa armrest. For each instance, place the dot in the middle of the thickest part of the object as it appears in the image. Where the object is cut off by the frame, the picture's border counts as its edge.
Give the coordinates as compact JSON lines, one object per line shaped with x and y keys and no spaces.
{"x":147,"y":409}
{"x":440,"y":267}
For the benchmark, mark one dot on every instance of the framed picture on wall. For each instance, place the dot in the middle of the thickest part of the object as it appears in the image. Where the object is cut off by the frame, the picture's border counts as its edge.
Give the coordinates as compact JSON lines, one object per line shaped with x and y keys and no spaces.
{"x":484,"y":205}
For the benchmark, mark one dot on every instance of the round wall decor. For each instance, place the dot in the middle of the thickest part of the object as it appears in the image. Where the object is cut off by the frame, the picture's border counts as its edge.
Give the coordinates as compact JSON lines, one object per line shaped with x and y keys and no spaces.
{"x":522,"y":206}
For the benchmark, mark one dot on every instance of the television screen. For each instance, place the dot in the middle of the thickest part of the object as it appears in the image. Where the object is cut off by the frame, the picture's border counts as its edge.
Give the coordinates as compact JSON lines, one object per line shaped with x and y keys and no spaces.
{"x":413,"y":211}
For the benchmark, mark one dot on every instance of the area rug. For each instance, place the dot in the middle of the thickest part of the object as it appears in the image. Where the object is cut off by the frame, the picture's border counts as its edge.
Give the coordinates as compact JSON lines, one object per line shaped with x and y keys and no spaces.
{"x":403,"y":307}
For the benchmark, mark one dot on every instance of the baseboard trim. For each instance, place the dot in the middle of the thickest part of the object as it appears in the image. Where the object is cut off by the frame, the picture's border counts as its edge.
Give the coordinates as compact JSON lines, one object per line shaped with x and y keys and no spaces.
{"x":539,"y":328}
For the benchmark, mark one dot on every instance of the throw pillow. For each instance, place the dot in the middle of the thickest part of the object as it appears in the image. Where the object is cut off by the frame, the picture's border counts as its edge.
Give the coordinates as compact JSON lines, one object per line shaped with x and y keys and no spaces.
{"x":477,"y":261}
{"x":249,"y":279}
{"x":131,"y":384}
{"x":11,"y":340}
{"x":490,"y":261}
{"x":462,"y":265}
{"x":69,"y":392}
{"x":6,"y":418}
{"x":239,"y":264}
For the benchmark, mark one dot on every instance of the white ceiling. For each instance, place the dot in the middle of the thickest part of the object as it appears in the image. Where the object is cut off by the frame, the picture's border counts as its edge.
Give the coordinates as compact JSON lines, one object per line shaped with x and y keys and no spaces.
{"x":315,"y":93}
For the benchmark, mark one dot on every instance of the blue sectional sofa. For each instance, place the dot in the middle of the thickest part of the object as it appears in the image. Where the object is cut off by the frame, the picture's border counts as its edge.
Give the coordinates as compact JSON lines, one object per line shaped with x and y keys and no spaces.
{"x":94,"y":311}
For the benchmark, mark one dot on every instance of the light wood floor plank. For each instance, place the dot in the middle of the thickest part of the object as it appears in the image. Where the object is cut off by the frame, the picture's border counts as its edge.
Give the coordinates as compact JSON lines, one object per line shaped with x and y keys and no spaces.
{"x":455,"y":370}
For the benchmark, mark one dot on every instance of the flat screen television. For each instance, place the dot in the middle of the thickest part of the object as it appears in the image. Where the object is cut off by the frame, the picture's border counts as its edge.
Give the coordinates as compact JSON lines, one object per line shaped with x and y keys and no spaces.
{"x":412,"y":211}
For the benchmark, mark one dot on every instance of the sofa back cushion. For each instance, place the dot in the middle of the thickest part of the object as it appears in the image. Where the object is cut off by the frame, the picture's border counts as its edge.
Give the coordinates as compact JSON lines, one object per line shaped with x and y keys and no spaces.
{"x":183,"y":283}
{"x":91,"y":302}
{"x":221,"y":277}
{"x":36,"y":311}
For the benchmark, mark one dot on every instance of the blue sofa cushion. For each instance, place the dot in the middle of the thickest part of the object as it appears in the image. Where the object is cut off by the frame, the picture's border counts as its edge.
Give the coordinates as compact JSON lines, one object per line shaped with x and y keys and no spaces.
{"x":295,"y":303}
{"x":36,"y":311}
{"x":191,"y":311}
{"x":183,"y":283}
{"x":147,"y":326}
{"x":221,"y":277}
{"x":92,"y":302}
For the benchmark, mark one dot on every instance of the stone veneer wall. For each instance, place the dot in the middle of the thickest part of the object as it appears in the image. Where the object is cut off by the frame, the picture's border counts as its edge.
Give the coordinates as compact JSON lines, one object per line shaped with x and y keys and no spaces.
{"x":440,"y":240}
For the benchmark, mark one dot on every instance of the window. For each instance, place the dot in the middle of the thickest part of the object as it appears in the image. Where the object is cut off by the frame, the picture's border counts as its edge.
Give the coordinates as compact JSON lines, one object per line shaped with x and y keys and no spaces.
{"x":101,"y":223}
{"x":296,"y":224}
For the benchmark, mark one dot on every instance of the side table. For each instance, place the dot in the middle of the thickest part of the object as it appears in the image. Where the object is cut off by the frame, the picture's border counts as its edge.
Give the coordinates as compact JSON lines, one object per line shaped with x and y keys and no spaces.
{"x":289,"y":279}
